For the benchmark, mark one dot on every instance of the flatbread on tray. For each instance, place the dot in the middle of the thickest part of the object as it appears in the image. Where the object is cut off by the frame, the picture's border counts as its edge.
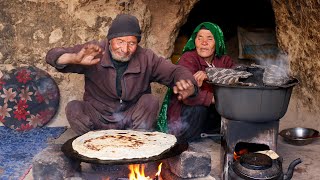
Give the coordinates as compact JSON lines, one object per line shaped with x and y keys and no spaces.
{"x":123,"y":144}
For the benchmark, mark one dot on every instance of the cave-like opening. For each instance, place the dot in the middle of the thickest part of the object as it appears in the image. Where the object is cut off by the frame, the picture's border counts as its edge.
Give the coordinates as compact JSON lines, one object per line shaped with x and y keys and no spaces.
{"x":229,"y":15}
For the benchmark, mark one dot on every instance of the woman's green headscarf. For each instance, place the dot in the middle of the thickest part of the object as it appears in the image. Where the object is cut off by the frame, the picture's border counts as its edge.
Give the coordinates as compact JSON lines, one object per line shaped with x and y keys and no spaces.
{"x":217,"y":34}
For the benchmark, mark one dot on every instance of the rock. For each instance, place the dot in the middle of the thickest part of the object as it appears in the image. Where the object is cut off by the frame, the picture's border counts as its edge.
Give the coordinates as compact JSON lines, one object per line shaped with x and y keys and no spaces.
{"x":52,"y":164}
{"x":190,"y":164}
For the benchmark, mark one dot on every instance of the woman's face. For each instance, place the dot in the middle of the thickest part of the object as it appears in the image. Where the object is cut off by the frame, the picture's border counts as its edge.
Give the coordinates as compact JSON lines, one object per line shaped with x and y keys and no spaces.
{"x":205,"y":43}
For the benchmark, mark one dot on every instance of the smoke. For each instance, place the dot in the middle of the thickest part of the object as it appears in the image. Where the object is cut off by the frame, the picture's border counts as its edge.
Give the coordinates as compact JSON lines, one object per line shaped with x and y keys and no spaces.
{"x":178,"y":127}
{"x":118,"y":117}
{"x":185,"y":124}
{"x":281,"y":62}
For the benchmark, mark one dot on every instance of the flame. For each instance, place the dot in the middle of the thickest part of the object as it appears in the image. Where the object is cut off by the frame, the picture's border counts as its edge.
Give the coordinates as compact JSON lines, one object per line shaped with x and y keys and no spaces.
{"x":237,"y":155}
{"x":137,"y":172}
{"x":159,"y":170}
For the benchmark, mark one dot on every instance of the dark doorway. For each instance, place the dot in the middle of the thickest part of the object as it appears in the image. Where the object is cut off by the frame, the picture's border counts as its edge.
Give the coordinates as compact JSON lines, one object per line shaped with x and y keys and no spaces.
{"x":229,"y":15}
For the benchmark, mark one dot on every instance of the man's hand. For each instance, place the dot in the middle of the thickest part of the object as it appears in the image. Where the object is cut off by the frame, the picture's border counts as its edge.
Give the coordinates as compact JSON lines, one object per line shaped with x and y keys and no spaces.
{"x":87,"y":55}
{"x":184,"y":89}
{"x":200,"y":76}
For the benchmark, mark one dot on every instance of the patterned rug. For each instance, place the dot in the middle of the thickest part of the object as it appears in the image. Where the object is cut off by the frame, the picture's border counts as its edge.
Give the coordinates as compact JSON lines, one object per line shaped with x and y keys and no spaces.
{"x":17,"y":149}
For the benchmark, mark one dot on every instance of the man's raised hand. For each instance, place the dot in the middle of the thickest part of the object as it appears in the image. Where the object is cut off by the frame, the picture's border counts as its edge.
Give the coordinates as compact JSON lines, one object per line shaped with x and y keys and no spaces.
{"x":90,"y":54}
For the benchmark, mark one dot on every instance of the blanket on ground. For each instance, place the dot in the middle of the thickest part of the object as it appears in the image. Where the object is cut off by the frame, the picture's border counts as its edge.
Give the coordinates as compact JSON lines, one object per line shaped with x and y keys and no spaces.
{"x":17,"y":149}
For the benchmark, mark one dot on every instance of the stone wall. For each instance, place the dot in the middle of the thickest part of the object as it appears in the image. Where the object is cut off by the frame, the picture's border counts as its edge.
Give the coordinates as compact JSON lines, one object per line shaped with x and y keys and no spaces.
{"x":297,"y":26}
{"x":29,"y":28}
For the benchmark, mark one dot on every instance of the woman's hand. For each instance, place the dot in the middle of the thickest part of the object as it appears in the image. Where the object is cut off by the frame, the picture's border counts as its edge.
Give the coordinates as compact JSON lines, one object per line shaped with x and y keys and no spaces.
{"x":200,"y":76}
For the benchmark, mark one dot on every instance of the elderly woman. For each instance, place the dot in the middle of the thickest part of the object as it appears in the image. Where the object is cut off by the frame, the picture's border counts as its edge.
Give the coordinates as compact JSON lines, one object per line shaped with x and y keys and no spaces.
{"x":188,"y":118}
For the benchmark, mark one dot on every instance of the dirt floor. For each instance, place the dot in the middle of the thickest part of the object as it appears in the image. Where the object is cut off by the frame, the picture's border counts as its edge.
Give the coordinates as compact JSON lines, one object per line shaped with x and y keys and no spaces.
{"x":307,"y":170}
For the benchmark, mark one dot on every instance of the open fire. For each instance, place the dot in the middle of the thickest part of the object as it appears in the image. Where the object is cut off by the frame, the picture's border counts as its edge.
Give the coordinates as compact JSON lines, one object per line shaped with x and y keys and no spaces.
{"x":137,"y":172}
{"x":238,"y":154}
{"x":244,"y":148}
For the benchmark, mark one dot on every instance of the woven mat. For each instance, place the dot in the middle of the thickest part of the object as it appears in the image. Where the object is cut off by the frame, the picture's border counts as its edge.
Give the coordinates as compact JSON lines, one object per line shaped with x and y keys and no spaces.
{"x":17,"y":149}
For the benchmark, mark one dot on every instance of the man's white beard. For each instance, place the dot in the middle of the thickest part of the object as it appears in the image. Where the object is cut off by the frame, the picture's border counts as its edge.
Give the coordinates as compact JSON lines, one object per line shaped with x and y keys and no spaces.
{"x":117,"y":58}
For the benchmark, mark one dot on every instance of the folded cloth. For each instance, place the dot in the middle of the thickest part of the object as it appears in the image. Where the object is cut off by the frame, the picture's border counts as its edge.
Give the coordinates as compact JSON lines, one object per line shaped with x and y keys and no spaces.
{"x":275,"y":76}
{"x":225,"y":76}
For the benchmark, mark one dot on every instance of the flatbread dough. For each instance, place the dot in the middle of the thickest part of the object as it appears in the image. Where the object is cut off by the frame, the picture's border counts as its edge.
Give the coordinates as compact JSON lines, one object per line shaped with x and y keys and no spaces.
{"x":123,"y":144}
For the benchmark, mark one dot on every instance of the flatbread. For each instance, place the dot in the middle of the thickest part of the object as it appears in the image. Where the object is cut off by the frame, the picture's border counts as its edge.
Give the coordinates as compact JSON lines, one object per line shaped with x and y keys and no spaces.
{"x":123,"y":144}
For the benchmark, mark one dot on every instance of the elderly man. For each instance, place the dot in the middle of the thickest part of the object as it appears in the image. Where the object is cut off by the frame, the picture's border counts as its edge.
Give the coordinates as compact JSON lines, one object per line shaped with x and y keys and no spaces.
{"x":118,"y":73}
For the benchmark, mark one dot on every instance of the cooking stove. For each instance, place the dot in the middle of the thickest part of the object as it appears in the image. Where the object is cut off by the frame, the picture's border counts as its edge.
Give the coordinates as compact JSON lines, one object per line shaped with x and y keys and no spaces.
{"x":250,"y":115}
{"x":243,"y":136}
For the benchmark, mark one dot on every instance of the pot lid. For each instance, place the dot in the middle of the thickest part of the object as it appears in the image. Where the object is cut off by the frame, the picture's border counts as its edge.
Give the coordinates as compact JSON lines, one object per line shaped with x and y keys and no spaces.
{"x":257,"y":166}
{"x":256,"y":161}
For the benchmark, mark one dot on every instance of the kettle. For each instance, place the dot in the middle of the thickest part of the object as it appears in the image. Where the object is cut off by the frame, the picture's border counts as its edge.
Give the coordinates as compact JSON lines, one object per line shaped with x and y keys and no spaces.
{"x":258,"y":166}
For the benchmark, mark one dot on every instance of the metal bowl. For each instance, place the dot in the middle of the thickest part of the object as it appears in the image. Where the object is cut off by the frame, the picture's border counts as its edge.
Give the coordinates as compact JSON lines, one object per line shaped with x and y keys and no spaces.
{"x":299,"y":136}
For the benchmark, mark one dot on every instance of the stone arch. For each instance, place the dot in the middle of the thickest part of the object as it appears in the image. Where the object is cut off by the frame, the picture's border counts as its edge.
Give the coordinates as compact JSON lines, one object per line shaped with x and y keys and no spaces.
{"x":228,"y":15}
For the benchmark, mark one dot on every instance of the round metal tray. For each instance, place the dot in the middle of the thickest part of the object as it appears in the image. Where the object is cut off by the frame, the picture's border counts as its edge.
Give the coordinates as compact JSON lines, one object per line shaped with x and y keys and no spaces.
{"x":71,"y":153}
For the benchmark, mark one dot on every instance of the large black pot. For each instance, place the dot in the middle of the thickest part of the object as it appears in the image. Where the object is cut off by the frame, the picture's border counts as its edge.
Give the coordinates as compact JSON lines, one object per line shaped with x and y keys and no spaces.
{"x":249,"y":103}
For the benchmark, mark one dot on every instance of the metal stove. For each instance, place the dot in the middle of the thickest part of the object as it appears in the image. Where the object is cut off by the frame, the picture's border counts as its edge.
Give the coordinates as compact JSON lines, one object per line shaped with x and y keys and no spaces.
{"x":248,"y":136}
{"x":251,"y":117}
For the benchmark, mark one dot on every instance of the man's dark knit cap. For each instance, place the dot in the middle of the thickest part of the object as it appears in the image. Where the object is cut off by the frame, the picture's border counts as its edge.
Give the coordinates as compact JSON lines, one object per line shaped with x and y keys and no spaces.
{"x":124,"y":25}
